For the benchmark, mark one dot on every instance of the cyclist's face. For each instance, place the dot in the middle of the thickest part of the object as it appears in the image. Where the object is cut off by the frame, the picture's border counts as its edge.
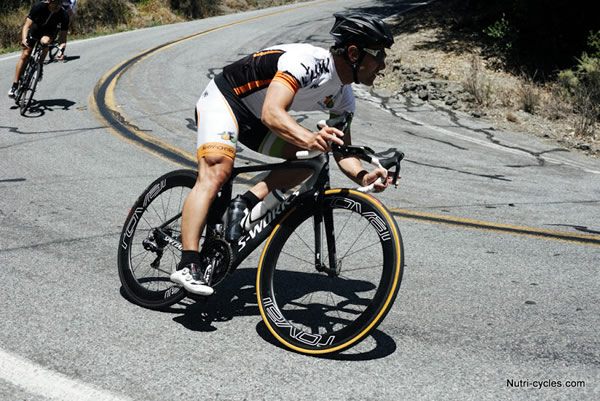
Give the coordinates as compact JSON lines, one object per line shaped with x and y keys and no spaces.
{"x":54,"y":7}
{"x":371,"y":65}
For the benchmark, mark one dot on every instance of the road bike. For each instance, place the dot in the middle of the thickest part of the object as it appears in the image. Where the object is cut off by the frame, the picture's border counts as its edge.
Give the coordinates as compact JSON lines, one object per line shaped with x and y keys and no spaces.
{"x":29,"y":79}
{"x":330,"y":268}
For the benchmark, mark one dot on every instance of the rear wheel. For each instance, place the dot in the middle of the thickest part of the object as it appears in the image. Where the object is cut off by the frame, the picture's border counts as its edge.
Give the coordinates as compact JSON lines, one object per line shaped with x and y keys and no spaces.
{"x":318,"y":309}
{"x":52,"y":52}
{"x":150,"y":243}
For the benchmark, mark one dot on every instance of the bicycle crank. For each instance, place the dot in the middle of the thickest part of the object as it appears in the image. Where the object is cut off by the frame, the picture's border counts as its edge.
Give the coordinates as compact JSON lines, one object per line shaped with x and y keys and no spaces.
{"x":216,"y":256}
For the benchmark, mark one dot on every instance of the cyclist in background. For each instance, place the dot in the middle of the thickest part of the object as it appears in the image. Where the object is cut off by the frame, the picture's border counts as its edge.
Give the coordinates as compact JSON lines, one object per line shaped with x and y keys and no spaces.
{"x":69,"y":7}
{"x":41,"y":24}
{"x":249,"y":102}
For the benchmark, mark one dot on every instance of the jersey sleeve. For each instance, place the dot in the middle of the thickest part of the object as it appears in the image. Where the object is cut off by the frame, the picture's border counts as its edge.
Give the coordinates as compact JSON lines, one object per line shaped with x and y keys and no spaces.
{"x":34,"y":12}
{"x":288,"y":79}
{"x":300,"y":68}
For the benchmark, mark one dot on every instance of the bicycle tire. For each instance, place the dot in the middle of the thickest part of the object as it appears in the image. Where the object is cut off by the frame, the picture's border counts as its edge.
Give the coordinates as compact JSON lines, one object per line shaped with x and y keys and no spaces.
{"x":144,"y":282}
{"x":52,"y":52}
{"x":29,"y":85}
{"x":23,"y":82}
{"x":314,"y":313}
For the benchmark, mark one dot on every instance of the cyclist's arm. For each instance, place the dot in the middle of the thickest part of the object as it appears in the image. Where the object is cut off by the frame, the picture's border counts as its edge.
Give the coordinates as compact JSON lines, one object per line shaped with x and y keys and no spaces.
{"x":353,"y":169}
{"x":62,"y":39}
{"x":275,"y":116}
{"x":25,"y":31}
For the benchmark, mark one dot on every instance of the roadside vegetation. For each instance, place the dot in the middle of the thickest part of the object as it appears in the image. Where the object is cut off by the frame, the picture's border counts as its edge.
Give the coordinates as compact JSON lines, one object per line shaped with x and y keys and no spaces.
{"x":97,"y":17}
{"x":536,"y":58}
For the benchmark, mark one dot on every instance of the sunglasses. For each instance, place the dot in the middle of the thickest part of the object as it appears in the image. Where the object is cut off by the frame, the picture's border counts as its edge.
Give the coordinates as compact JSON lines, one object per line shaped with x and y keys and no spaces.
{"x":378,"y":55}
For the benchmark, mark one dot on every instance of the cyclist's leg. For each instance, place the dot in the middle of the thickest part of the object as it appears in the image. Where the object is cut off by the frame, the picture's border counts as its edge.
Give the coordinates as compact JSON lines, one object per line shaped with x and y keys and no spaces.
{"x":46,"y":40}
{"x":25,"y":54}
{"x":213,"y":171}
{"x":217,"y":134}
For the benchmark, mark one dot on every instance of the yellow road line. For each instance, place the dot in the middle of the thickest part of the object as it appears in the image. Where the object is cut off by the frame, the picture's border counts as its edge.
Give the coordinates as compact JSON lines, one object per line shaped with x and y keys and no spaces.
{"x":107,"y":113}
{"x":563,"y":236}
{"x":103,"y":104}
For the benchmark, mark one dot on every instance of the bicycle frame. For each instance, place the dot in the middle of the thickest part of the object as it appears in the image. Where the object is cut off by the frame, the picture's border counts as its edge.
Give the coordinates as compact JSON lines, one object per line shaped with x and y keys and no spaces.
{"x":32,"y":59}
{"x":310,"y":193}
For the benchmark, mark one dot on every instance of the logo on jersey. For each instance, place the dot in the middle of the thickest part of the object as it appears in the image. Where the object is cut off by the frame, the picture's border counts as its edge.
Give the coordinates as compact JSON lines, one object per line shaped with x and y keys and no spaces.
{"x":228,"y":136}
{"x":327,"y":103}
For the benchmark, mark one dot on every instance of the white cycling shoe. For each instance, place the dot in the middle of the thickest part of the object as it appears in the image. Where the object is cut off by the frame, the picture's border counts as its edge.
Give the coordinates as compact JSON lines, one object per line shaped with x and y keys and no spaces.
{"x":190,"y":278}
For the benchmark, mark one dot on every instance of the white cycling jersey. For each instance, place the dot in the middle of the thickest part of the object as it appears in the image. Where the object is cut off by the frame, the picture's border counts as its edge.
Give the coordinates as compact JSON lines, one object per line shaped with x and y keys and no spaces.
{"x":230,"y":108}
{"x":309,"y":71}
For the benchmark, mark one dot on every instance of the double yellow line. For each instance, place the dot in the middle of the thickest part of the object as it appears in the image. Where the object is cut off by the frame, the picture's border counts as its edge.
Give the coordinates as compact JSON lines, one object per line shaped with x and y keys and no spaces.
{"x":103,"y":104}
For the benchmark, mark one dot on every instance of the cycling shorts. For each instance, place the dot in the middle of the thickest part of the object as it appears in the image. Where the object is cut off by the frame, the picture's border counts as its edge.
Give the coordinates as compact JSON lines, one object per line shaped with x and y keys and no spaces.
{"x":36,"y":33}
{"x":222,"y":120}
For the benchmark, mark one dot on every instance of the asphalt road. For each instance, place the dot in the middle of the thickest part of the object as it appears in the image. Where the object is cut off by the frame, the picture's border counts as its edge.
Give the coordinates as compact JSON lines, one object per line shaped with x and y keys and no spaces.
{"x":501,"y":231}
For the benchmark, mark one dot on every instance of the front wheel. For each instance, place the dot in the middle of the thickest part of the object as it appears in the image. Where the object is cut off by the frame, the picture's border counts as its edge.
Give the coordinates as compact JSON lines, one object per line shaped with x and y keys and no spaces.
{"x":29,"y":85}
{"x":150,"y":243}
{"x":319,"y":308}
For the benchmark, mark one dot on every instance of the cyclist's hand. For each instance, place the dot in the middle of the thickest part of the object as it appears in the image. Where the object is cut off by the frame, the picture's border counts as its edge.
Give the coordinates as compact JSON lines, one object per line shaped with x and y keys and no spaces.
{"x":25,"y":44}
{"x":379,"y":177}
{"x":324,"y":138}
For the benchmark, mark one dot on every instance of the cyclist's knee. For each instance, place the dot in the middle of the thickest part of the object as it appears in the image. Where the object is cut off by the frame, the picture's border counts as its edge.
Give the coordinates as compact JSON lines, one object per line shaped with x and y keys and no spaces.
{"x":45,"y":40}
{"x":214,"y":170}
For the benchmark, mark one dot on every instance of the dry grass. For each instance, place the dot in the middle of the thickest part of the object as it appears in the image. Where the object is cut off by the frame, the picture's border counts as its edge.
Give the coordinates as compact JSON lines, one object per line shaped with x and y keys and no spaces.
{"x":95,"y":17}
{"x":509,"y":94}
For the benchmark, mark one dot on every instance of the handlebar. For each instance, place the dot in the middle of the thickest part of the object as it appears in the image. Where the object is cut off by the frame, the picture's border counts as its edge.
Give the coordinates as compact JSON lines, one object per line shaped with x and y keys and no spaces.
{"x":386,"y":160}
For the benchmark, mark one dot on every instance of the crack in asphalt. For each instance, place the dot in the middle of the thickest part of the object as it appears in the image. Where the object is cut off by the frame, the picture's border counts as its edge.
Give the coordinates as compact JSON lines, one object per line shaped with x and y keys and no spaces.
{"x":390,"y":104}
{"x":61,"y":241}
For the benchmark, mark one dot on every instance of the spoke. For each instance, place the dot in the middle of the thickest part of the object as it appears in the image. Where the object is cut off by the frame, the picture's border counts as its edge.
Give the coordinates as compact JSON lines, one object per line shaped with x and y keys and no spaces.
{"x":339,"y":233}
{"x":360,"y":268}
{"x":304,"y":242}
{"x":355,"y":240}
{"x":359,"y":250}
{"x":308,"y":262}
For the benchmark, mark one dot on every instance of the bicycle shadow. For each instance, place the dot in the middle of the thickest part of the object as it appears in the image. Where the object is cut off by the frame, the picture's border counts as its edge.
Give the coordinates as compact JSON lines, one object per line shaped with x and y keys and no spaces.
{"x":384,"y":346}
{"x":65,"y":60}
{"x":236,"y":296}
{"x":38,"y":108}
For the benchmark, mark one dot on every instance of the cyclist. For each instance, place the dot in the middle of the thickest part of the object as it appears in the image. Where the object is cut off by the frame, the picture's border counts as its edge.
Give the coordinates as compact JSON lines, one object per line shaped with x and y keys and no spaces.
{"x":249,"y":102}
{"x":41,"y":24}
{"x":69,"y":7}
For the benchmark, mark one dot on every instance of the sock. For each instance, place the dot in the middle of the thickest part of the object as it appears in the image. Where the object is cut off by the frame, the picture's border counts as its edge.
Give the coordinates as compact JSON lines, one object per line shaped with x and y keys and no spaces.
{"x":251,"y":199}
{"x":188,"y":257}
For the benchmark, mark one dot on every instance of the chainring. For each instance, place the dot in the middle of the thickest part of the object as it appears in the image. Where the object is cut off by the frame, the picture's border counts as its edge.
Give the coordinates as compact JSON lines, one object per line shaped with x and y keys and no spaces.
{"x":216,"y":254}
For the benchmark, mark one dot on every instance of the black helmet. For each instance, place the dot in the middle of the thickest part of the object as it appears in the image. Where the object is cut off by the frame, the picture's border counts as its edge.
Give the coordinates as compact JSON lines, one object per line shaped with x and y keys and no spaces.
{"x":360,"y":29}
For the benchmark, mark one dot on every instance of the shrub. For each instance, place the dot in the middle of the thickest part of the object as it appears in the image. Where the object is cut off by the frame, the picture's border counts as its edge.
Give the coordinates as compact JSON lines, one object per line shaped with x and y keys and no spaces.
{"x":476,"y":84}
{"x":582,"y":86}
{"x":91,"y":14}
{"x":11,"y":25}
{"x":529,"y":95}
{"x":195,"y":8}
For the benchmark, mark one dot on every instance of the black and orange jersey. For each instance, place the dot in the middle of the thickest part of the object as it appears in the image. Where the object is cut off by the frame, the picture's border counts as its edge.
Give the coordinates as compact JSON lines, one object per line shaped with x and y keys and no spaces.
{"x":307,"y":70}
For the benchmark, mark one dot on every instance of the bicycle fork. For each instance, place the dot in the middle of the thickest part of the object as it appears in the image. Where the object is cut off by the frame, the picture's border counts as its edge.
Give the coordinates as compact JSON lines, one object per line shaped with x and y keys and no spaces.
{"x":324,"y":219}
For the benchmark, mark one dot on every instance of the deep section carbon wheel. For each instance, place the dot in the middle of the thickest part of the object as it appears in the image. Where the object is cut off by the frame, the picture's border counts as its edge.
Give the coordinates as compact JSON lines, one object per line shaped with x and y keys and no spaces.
{"x":150,"y":243}
{"x":318,"y":304}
